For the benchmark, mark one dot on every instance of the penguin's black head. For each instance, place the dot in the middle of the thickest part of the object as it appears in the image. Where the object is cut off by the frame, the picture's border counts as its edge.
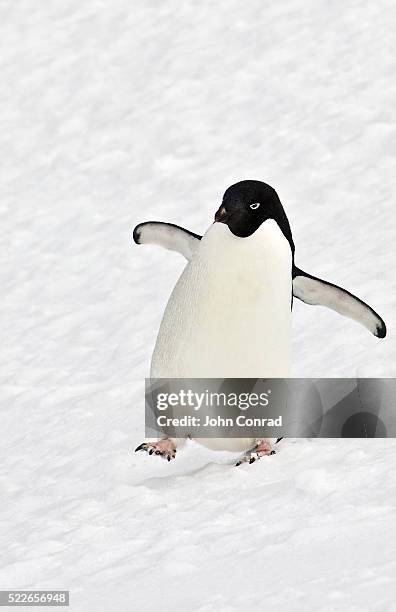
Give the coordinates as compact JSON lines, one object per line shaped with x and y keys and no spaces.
{"x":247,"y":204}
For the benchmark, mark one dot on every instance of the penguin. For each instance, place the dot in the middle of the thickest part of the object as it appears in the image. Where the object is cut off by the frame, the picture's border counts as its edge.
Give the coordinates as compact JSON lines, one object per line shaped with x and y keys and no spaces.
{"x":229,"y":314}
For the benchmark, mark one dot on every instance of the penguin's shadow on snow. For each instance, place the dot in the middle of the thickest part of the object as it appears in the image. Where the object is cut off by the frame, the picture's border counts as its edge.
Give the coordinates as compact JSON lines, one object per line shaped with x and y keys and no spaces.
{"x":172,"y":480}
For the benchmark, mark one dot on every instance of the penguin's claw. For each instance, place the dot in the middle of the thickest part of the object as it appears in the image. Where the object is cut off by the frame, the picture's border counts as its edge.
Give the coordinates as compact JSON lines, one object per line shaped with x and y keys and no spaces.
{"x":261,"y":450}
{"x":164,"y":448}
{"x":250,"y":457}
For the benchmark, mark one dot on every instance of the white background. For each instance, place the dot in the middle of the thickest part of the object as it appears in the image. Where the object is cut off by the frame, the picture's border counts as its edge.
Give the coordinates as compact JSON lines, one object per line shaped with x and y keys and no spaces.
{"x":118,"y":112}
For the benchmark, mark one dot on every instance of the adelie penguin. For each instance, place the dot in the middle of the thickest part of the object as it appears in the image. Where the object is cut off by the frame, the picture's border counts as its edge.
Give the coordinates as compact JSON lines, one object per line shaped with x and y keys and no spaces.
{"x":229,"y":315}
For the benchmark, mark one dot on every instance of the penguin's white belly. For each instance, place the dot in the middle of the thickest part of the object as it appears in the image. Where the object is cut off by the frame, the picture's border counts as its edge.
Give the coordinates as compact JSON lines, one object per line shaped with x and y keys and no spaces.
{"x":229,"y":314}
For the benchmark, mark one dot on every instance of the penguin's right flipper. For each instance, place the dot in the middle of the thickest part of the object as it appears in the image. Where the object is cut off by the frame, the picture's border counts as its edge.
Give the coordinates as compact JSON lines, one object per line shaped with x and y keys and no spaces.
{"x":167,"y":235}
{"x":312,"y":290}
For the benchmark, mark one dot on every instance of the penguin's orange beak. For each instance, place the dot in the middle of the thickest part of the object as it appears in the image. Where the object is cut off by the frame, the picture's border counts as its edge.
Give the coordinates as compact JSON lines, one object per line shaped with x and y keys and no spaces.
{"x":221,"y":215}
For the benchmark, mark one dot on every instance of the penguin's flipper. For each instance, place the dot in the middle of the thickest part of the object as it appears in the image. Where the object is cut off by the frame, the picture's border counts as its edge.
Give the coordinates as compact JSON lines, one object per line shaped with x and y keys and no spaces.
{"x":167,"y":235}
{"x":312,"y":290}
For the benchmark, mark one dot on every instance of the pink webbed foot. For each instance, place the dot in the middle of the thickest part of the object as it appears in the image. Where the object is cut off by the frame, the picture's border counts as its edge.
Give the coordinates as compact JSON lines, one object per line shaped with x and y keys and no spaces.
{"x":263,"y":448}
{"x":164,"y":448}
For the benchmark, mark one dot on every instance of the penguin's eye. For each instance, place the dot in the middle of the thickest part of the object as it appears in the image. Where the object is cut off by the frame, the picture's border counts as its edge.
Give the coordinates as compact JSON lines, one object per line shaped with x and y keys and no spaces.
{"x":255,"y":205}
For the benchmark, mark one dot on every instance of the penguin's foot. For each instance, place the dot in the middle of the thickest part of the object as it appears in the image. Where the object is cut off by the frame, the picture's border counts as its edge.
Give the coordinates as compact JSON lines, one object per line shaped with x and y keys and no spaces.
{"x":164,"y":448}
{"x":264,"y":447}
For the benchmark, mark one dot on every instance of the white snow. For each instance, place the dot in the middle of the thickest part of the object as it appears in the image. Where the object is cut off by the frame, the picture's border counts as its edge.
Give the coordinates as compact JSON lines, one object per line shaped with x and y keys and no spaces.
{"x":113,"y":113}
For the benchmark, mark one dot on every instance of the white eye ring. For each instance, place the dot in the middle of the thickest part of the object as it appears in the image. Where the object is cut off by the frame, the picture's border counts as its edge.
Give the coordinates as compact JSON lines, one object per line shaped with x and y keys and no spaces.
{"x":255,"y":205}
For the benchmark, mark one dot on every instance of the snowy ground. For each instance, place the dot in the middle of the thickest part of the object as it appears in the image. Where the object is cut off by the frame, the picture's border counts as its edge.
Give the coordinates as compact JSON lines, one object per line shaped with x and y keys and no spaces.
{"x":113,"y":113}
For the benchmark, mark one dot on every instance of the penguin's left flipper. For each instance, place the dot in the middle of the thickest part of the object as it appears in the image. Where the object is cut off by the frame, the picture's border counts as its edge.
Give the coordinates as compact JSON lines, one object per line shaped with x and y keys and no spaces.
{"x":167,"y":235}
{"x":312,"y":290}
